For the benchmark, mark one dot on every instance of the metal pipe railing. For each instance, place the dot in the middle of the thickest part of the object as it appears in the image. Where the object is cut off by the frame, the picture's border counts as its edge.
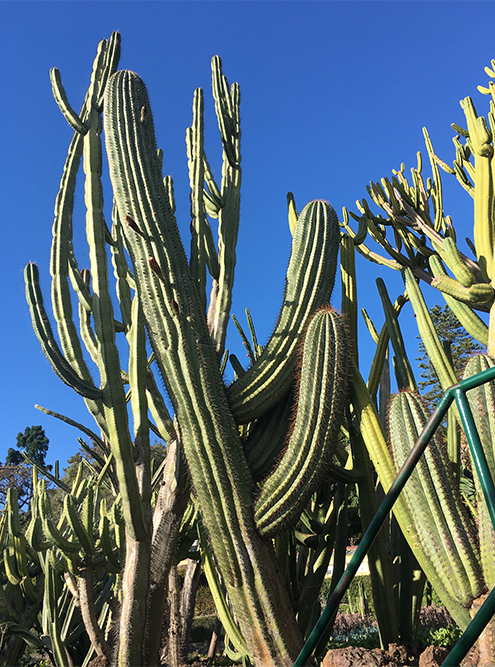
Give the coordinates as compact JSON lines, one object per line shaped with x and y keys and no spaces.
{"x":458,"y":393}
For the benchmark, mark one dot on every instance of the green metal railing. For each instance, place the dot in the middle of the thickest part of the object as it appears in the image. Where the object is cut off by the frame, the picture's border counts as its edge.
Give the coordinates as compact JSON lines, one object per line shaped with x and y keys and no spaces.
{"x":458,"y":393}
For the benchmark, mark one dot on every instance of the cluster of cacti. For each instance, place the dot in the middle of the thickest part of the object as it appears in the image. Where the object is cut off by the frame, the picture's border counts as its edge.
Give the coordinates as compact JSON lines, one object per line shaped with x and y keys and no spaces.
{"x":62,"y":573}
{"x":455,"y":552}
{"x":159,"y":299}
{"x":255,"y":471}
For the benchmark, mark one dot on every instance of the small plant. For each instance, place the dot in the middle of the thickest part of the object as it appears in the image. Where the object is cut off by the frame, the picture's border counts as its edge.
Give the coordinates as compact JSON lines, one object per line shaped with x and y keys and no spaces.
{"x":437,"y":628}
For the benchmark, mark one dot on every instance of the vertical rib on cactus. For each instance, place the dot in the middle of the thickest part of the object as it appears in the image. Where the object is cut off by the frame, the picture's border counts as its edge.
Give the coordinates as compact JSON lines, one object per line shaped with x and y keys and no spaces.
{"x":179,"y":336}
{"x":482,"y":402}
{"x":447,"y":553}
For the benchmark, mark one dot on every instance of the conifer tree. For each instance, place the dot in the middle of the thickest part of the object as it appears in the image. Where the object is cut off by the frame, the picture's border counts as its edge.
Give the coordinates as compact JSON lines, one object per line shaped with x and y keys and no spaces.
{"x":454,"y":337}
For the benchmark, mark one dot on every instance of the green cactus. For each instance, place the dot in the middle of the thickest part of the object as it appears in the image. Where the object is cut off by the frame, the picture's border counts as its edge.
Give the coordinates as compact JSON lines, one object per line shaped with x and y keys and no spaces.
{"x":321,"y":399}
{"x":161,"y":297}
{"x":482,"y":405}
{"x":448,"y":555}
{"x":421,"y":240}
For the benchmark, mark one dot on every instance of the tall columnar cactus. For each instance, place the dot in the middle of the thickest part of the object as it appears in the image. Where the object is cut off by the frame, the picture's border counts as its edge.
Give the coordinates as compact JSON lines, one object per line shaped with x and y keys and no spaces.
{"x":161,"y":296}
{"x":447,"y":550}
{"x":178,"y":329}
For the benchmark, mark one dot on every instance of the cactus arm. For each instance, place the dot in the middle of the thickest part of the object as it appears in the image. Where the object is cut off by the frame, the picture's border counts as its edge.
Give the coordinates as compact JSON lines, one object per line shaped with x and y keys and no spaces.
{"x":478,"y":293}
{"x":159,"y":411}
{"x":443,"y":368}
{"x":379,"y":564}
{"x":195,"y":150}
{"x":472,"y":322}
{"x":349,"y":294}
{"x":139,"y":405}
{"x":245,"y":340}
{"x":480,"y":141}
{"x":227,"y":111}
{"x":378,"y":559}
{"x":321,"y":394}
{"x":91,"y":434}
{"x":88,"y":612}
{"x":436,"y":191}
{"x":51,"y":531}
{"x":121,"y":270}
{"x":213,"y":202}
{"x":61,"y":99}
{"x":381,"y":351}
{"x":79,"y":285}
{"x":365,"y":251}
{"x":258,"y":349}
{"x":44,"y":333}
{"x":50,"y":611}
{"x":292,"y":211}
{"x":87,"y":334}
{"x":112,"y":57}
{"x":268,"y":437}
{"x":114,"y":402}
{"x":405,"y":376}
{"x":310,"y":279}
{"x":454,"y":260}
{"x":74,"y":520}
{"x":224,"y":613}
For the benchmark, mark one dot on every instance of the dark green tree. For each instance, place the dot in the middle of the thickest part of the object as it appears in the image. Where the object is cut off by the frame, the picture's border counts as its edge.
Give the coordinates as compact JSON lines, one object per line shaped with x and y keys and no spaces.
{"x":34,"y":443}
{"x":461,"y":344}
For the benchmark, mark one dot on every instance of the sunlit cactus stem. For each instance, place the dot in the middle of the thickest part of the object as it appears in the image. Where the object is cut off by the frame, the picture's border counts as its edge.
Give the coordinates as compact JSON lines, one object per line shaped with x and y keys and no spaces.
{"x":181,"y":342}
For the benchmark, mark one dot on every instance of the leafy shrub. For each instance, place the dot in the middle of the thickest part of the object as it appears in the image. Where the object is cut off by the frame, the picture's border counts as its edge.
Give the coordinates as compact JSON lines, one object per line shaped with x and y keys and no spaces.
{"x":351,"y":598}
{"x":437,"y":628}
{"x":366,"y":636}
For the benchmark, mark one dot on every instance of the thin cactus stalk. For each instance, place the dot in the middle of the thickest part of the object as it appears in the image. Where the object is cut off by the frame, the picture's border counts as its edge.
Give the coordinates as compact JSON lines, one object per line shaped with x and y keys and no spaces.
{"x":380,"y":567}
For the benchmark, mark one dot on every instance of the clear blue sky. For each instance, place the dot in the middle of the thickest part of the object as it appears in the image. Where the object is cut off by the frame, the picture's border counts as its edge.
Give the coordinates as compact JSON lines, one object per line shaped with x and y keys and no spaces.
{"x":334,"y":94}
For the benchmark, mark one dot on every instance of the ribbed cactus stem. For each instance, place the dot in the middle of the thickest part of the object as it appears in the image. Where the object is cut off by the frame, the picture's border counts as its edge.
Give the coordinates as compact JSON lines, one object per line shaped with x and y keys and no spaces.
{"x":446,"y":552}
{"x":321,"y":395}
{"x":309,"y":285}
{"x":482,"y":402}
{"x":178,"y":331}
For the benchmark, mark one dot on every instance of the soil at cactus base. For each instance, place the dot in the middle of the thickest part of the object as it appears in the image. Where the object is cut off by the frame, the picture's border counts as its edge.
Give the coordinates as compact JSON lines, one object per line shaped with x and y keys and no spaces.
{"x":394,"y":656}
